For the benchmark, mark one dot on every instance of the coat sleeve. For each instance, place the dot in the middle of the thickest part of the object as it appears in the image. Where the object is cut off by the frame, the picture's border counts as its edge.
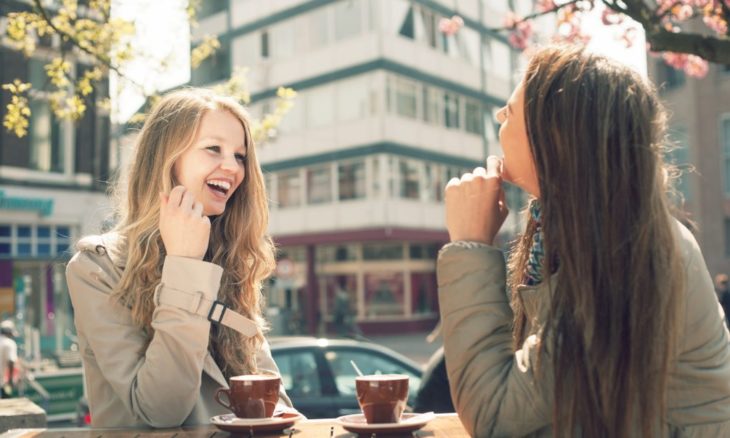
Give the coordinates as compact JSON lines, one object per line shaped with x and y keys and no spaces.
{"x":159,"y":384}
{"x":495,"y":390}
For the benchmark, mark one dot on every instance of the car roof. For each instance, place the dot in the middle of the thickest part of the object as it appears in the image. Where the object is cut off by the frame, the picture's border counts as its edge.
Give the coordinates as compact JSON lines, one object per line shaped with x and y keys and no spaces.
{"x":284,"y":342}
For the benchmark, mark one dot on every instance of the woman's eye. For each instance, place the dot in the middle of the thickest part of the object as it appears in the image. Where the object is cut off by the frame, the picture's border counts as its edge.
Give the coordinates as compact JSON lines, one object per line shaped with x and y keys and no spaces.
{"x":241,"y":158}
{"x":214,"y":148}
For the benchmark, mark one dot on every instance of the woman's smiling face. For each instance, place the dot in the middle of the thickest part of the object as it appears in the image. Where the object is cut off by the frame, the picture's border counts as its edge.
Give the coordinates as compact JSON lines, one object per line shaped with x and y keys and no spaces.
{"x":214,"y":166}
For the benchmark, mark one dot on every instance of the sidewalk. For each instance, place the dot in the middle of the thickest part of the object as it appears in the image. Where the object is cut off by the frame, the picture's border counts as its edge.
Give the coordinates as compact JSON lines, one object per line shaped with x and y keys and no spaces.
{"x":413,"y":345}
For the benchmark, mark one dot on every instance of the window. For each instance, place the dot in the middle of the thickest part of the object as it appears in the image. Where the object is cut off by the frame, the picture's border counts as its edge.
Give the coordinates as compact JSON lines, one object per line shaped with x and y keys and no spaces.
{"x":213,"y":68}
{"x":432,"y":99}
{"x":405,"y":97}
{"x":353,"y":102}
{"x":680,"y":157}
{"x":31,"y":241}
{"x":319,"y":27}
{"x":382,"y":251}
{"x":210,"y":7}
{"x":668,"y":76}
{"x":424,"y":295}
{"x":282,"y":40}
{"x":289,"y":186}
{"x":299,"y":373}
{"x":451,"y":110}
{"x":408,"y":171}
{"x":369,"y":362}
{"x":384,"y":294}
{"x":337,"y":253}
{"x":319,"y":184}
{"x":265,"y":44}
{"x":351,"y":180}
{"x":46,"y":145}
{"x":725,"y":139}
{"x":473,"y":117}
{"x":406,"y":27}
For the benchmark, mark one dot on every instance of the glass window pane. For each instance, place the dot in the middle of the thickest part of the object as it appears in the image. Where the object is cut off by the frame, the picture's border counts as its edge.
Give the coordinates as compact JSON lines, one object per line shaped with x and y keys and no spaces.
{"x":24,"y":249}
{"x":319,"y":185}
{"x":5,"y":230}
{"x":409,"y":185}
{"x":319,"y":26}
{"x":24,"y":231}
{"x":4,"y":249}
{"x":62,"y":248}
{"x":289,"y":185}
{"x":44,"y":249}
{"x":63,"y":232}
{"x":351,"y":180}
{"x":299,"y":373}
{"x":382,"y":251}
{"x":473,"y":117}
{"x":353,"y":99}
{"x":384,"y":294}
{"x":369,"y":362}
{"x":44,"y":232}
{"x":451,"y":110}
{"x":321,"y":106}
{"x":405,"y":97}
{"x":424,"y":293}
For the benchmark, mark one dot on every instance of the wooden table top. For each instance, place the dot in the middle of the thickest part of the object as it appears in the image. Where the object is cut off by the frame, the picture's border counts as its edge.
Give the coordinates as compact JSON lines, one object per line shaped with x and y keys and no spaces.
{"x":444,"y":425}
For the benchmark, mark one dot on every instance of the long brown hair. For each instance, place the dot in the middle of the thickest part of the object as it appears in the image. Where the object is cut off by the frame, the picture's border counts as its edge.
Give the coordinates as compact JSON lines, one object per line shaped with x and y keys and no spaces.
{"x":597,"y":134}
{"x":238,"y":239}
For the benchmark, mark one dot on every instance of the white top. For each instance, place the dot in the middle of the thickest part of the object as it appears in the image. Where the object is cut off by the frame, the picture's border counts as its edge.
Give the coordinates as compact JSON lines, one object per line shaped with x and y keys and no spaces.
{"x":8,"y":353}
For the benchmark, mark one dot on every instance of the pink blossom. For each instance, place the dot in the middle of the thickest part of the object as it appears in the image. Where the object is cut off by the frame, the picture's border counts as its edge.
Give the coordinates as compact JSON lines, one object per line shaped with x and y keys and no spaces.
{"x":545,"y":5}
{"x":716,"y":23}
{"x":691,"y":64}
{"x":521,"y":31}
{"x":451,"y":26}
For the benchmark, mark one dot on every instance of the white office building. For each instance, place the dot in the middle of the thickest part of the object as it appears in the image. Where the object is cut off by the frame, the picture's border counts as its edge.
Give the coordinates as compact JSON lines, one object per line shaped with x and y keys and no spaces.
{"x":388,"y":110}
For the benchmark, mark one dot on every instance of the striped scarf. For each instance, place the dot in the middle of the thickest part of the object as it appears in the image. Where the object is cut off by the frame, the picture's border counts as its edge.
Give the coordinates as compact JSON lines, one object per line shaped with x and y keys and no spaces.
{"x":533,"y":270}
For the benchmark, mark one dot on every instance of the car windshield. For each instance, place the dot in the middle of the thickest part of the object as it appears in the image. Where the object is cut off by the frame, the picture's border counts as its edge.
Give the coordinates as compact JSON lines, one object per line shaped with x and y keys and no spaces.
{"x":369,"y":362}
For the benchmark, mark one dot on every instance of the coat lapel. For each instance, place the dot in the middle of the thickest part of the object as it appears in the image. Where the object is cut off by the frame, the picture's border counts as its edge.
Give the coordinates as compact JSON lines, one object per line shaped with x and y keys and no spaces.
{"x":211,"y":368}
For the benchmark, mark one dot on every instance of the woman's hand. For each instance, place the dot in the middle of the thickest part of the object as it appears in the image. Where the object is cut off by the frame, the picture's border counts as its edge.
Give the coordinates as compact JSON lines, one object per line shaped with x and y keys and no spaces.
{"x":184,"y":229}
{"x":475,"y":205}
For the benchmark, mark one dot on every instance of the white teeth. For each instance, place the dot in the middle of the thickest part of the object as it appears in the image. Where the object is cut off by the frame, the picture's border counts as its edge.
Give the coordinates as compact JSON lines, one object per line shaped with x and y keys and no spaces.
{"x":225,"y":185}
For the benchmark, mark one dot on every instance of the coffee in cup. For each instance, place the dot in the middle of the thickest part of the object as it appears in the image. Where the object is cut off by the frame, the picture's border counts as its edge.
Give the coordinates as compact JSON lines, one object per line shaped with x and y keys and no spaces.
{"x":251,"y":395}
{"x":382,"y":397}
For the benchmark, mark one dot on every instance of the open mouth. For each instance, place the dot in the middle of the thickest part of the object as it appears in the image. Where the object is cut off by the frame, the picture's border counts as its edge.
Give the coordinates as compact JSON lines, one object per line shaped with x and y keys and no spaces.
{"x":219,"y":186}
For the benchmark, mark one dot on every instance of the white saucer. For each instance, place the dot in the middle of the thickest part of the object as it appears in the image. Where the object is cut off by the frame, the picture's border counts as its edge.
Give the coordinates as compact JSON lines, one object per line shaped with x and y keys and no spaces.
{"x":231,"y":423}
{"x":408,"y":423}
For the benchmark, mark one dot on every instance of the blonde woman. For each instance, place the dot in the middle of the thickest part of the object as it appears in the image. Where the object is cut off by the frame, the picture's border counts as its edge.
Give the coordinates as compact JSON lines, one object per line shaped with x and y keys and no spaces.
{"x":608,"y":324}
{"x":167,"y":305}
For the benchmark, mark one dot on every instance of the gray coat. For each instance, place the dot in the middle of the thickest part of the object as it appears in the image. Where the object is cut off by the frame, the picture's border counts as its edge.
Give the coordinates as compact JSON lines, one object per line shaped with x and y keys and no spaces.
{"x":172,"y":381}
{"x":494,"y":388}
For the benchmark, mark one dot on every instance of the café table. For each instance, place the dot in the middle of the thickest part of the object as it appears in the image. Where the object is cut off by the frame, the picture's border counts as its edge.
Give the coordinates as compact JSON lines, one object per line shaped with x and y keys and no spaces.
{"x":444,"y":425}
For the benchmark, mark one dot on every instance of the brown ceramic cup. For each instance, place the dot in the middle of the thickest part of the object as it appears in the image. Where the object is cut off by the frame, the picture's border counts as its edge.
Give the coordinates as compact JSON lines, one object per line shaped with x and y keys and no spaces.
{"x":382,"y":397}
{"x":251,"y":395}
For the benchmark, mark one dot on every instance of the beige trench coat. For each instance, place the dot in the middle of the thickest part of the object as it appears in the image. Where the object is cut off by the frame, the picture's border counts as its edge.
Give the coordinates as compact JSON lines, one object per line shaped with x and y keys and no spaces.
{"x":170,"y":383}
{"x":495,"y":390}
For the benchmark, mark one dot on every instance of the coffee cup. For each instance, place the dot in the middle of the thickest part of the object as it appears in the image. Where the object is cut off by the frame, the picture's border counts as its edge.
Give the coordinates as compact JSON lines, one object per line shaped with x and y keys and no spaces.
{"x":382,"y":397}
{"x":251,"y":395}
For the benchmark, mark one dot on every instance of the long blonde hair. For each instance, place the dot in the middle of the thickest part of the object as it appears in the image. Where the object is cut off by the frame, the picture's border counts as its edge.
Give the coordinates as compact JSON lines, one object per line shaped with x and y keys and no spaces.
{"x":597,"y":134}
{"x":238,"y":240}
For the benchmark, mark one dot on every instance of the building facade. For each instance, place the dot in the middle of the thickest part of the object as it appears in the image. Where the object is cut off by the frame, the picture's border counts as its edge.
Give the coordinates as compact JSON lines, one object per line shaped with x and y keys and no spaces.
{"x":699,"y":127}
{"x":52,"y":191}
{"x":388,"y":110}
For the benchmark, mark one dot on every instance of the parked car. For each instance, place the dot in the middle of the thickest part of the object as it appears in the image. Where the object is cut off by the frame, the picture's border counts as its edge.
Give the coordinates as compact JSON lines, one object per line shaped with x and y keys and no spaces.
{"x":320,"y":380}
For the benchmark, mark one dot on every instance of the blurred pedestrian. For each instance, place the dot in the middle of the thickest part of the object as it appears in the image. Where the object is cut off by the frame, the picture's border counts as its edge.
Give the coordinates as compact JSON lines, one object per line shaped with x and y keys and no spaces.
{"x":605,"y":323}
{"x":344,"y":317}
{"x":723,"y":294}
{"x":8,"y":357}
{"x":168,"y":305}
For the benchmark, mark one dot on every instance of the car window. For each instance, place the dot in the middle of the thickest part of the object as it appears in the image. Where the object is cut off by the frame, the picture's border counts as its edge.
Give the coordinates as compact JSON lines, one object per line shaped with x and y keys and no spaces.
{"x":299,"y":373}
{"x":369,"y":362}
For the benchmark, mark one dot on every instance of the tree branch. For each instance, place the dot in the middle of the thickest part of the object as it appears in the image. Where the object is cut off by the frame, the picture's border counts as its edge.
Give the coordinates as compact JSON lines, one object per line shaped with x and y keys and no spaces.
{"x":710,"y":48}
{"x":99,"y":57}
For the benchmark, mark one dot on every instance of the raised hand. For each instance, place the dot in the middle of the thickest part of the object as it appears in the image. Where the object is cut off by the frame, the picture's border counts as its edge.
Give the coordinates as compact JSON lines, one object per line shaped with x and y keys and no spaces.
{"x":475,"y":205}
{"x":184,"y":229}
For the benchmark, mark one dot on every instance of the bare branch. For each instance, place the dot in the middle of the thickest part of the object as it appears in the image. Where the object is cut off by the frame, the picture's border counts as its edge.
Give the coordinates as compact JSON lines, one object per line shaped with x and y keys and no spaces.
{"x":710,"y":48}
